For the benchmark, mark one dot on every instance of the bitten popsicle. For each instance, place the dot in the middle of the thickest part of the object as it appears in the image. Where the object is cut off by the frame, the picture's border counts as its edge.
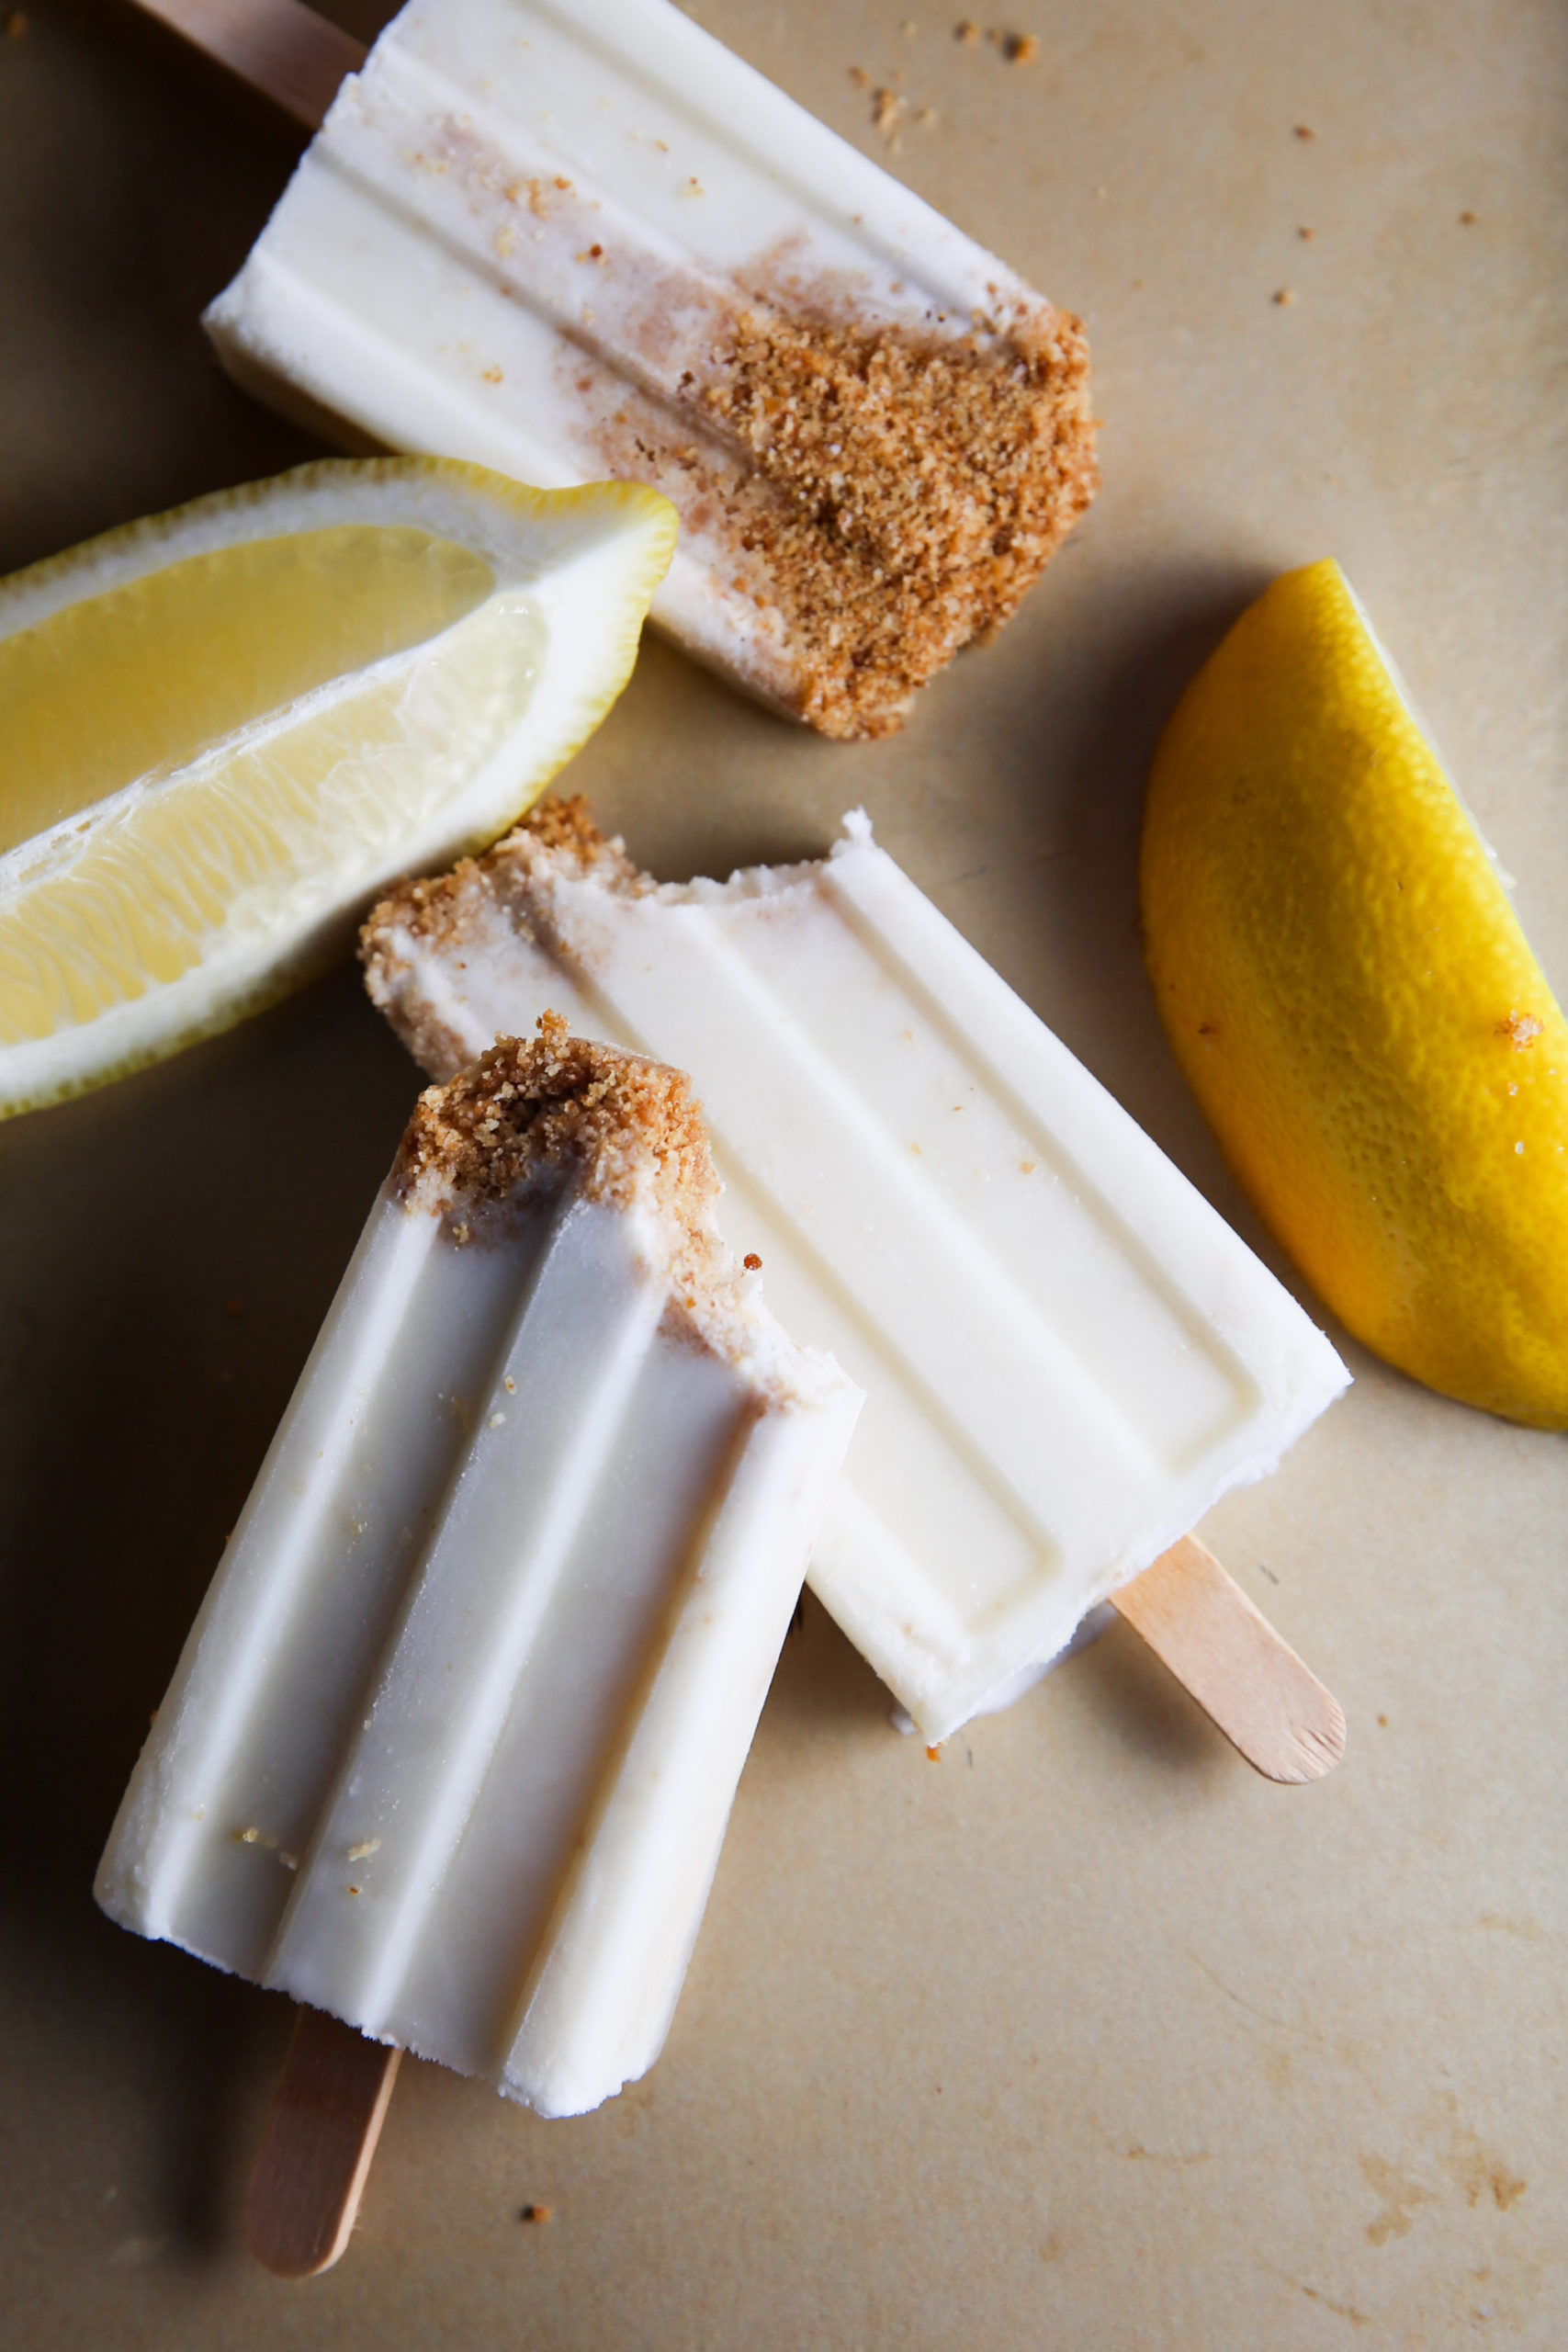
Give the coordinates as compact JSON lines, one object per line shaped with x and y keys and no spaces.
{"x":576,"y":241}
{"x":453,"y":1742}
{"x":1069,"y":1356}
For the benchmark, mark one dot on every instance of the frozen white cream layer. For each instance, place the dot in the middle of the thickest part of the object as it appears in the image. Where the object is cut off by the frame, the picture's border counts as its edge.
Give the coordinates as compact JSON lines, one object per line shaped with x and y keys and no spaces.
{"x":454,"y":1739}
{"x":569,"y":238}
{"x":1067,"y":1354}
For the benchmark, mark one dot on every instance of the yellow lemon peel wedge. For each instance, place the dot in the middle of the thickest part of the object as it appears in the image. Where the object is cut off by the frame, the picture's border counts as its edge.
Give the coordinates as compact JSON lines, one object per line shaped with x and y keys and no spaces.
{"x":224,"y":730}
{"x":1350,"y":996}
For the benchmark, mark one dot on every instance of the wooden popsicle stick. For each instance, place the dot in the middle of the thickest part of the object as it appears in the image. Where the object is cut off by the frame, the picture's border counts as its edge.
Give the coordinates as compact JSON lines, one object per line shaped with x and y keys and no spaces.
{"x":279,"y":47}
{"x":1225,"y":1653}
{"x":327,"y":2114}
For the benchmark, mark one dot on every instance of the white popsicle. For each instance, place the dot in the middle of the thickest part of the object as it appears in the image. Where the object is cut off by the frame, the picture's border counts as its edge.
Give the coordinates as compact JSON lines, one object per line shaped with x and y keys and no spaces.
{"x":574,"y":241}
{"x":453,"y":1742}
{"x":1067,"y":1354}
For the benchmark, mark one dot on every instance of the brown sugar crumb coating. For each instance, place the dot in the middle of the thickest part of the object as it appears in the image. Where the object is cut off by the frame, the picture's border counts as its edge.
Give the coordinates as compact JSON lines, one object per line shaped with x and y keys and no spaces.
{"x":626,"y":1130}
{"x":926,"y":481}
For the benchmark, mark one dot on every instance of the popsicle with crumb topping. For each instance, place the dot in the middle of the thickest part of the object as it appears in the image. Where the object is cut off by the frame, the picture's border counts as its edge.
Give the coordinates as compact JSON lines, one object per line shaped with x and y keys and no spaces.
{"x":453,"y":1742}
{"x":1069,"y":1356}
{"x":572,"y":241}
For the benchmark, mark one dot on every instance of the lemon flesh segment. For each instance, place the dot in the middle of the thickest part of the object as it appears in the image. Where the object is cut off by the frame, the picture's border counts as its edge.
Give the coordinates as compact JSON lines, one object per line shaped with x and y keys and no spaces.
{"x":222,"y":731}
{"x":148,"y":674}
{"x":1350,"y":996}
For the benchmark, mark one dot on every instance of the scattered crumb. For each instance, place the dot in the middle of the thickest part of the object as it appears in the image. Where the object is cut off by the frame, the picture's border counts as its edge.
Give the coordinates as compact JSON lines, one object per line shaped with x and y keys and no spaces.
{"x":1521,"y":1029}
{"x":933,"y":1756}
{"x":1028,"y":1167}
{"x":969,"y":33}
{"x":887,"y":114}
{"x":492,"y":376}
{"x":1283,"y":297}
{"x":693,"y":186}
{"x":1304,"y":131}
{"x":1021,"y":48}
{"x":358,"y":1853}
{"x":1468,"y":219}
{"x":510,"y":1385}
{"x":908,"y":29}
{"x":859,"y":77}
{"x":537,"y":2213}
{"x":255,"y":1837}
{"x":751,"y":1262}
{"x":1383,"y":1722}
{"x":1305,"y":235}
{"x":354,"y":1889}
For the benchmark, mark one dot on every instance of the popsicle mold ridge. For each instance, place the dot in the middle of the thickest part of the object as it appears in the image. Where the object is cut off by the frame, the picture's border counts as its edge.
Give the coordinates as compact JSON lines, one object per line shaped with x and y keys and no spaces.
{"x":1067,"y":1354}
{"x":452,"y":1744}
{"x":569,"y":242}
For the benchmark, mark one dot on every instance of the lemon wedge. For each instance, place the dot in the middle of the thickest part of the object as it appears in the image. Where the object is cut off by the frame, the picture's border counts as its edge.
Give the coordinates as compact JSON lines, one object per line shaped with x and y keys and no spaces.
{"x":224,"y":729}
{"x":1351,"y":998}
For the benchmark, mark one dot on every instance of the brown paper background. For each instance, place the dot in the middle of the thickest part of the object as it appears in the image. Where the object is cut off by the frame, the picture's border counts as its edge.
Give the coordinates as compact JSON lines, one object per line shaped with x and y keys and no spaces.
{"x":1082,"y":2036}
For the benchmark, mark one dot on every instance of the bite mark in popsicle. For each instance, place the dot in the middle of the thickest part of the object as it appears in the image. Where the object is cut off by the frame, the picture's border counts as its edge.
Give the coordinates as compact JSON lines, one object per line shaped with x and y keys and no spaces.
{"x":1067,"y":1355}
{"x":489,"y":1645}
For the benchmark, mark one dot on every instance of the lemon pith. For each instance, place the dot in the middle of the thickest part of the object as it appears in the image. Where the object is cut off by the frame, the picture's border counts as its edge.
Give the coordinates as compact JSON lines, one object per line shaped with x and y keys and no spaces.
{"x":1350,"y":996}
{"x":223,"y":730}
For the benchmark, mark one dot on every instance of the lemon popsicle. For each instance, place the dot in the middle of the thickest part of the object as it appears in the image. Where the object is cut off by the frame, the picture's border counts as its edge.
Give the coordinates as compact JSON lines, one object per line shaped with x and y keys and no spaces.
{"x":1067,"y":1354}
{"x":571,"y":242}
{"x":453,"y":1742}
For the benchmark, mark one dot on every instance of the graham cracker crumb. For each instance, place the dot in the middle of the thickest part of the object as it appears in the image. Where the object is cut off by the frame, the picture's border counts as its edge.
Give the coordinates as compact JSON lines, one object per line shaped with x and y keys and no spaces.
{"x":1021,"y":48}
{"x":1304,"y":131}
{"x":887,"y":114}
{"x":908,"y":490}
{"x":565,"y":824}
{"x":627,"y":1130}
{"x":1521,"y":1029}
{"x":969,"y":33}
